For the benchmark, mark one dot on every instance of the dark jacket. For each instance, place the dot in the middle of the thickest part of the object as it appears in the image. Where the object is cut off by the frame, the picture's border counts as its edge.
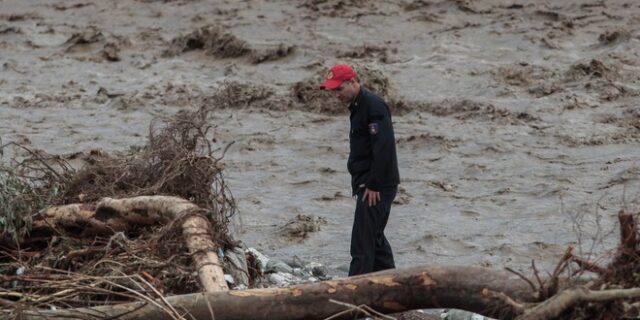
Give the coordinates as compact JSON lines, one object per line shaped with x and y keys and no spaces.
{"x":372,"y":157}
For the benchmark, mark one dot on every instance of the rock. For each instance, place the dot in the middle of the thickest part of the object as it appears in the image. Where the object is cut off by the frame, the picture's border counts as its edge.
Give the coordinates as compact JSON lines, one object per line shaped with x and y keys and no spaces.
{"x":296,"y":262}
{"x":317,"y":270}
{"x":299,"y":272}
{"x":278,"y":273}
{"x":455,"y":314}
{"x":260,"y":258}
{"x":417,"y":315}
{"x":280,"y":279}
{"x":238,"y":266}
{"x":278,"y":266}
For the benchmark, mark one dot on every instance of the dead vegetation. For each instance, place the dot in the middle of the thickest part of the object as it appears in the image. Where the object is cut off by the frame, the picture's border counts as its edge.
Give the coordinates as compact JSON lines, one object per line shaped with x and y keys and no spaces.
{"x":237,"y":95}
{"x":338,"y":8}
{"x":300,"y":227}
{"x":27,"y":186}
{"x":89,"y":35}
{"x":92,"y":44}
{"x":468,"y":109}
{"x":268,"y":53}
{"x":306,"y":96}
{"x":614,"y":37}
{"x":606,"y":77}
{"x":523,"y":74}
{"x":379,"y":53}
{"x":614,"y":294}
{"x":47,"y":264}
{"x":215,"y":41}
{"x":307,"y":92}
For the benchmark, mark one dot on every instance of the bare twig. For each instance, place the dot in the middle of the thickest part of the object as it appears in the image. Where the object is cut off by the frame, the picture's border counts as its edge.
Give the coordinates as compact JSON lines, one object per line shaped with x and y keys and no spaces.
{"x":37,"y":157}
{"x":518,"y":308}
{"x":533,"y":286}
{"x":159,"y":295}
{"x":589,"y":266}
{"x":553,"y":307}
{"x":148,"y":299}
{"x":541,"y":288}
{"x":361,"y":308}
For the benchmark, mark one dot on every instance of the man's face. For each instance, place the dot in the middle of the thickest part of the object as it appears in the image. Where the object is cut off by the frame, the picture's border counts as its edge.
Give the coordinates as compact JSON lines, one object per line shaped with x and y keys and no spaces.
{"x":346,"y":92}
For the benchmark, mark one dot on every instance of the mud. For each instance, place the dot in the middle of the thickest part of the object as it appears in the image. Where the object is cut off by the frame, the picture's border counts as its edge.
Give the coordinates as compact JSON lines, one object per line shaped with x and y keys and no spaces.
{"x":382,"y":54}
{"x":516,"y":121}
{"x":213,"y":40}
{"x":221,"y":44}
{"x":301,"y":227}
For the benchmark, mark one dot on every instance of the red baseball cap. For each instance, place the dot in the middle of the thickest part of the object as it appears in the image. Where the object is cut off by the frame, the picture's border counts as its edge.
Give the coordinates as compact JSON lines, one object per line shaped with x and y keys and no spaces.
{"x":337,"y":75}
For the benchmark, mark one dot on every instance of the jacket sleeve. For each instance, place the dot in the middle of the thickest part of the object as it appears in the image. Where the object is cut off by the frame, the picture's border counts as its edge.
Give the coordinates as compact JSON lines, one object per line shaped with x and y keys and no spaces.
{"x":381,"y":135}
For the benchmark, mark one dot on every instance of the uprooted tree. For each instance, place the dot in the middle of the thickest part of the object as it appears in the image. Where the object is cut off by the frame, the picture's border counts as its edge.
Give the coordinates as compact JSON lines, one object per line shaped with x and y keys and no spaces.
{"x":136,"y":236}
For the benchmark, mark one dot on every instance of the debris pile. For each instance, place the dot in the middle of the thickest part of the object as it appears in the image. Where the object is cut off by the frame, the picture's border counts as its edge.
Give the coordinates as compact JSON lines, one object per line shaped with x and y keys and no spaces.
{"x":219,"y":43}
{"x":75,"y":255}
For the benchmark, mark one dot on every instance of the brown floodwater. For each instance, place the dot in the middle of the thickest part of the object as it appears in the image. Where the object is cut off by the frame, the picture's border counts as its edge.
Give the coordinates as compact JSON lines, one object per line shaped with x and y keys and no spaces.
{"x":519,"y":135}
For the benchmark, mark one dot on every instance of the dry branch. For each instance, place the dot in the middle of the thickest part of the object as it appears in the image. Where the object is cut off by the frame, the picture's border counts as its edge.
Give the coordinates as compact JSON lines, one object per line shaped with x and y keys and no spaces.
{"x":114,"y":215}
{"x":589,"y":265}
{"x":569,"y":298}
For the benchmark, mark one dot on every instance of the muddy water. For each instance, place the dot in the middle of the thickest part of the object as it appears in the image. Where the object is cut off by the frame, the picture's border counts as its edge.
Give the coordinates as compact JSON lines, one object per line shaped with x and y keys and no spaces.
{"x":520,"y":134}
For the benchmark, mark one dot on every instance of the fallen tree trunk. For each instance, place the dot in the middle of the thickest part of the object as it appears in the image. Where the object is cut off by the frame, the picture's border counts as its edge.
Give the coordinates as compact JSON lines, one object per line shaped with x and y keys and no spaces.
{"x":114,"y":215}
{"x":387,"y":291}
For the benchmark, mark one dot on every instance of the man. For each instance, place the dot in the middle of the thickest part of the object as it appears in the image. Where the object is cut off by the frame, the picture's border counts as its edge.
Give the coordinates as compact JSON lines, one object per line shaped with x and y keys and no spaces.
{"x":373,"y":166}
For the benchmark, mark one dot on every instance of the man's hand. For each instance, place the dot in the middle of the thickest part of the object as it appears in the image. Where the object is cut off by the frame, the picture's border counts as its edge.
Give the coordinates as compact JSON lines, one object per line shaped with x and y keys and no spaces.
{"x":372,"y":197}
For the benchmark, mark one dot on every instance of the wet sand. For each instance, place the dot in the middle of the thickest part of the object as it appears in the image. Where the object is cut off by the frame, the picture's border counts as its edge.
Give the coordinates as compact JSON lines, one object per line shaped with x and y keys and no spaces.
{"x":517,"y":122}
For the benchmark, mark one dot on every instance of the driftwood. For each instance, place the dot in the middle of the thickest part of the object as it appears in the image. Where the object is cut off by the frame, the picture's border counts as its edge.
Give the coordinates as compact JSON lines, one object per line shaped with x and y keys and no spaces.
{"x":113,"y":215}
{"x":387,"y":291}
{"x":566,"y":299}
{"x":480,"y":290}
{"x":495,"y":294}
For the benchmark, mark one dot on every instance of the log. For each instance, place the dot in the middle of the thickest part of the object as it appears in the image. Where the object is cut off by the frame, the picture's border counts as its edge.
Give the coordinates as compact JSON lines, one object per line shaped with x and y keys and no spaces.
{"x":388,"y":291}
{"x":86,"y":221}
{"x":195,"y":228}
{"x":115,"y":215}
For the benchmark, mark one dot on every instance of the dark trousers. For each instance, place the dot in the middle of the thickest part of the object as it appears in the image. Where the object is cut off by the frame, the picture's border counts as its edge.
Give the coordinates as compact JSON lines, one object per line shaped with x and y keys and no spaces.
{"x":370,"y":250}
